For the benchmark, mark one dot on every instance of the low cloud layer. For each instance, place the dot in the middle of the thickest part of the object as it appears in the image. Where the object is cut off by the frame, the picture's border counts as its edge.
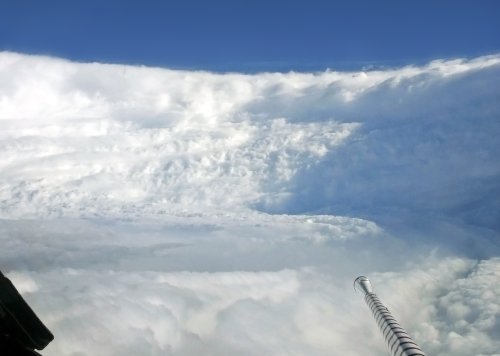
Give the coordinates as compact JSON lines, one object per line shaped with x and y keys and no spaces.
{"x":152,"y":211}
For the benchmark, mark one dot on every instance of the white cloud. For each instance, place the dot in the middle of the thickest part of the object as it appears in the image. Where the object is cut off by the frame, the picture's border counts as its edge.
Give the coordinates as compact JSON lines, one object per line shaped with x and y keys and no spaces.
{"x":286,"y":312}
{"x":152,"y":211}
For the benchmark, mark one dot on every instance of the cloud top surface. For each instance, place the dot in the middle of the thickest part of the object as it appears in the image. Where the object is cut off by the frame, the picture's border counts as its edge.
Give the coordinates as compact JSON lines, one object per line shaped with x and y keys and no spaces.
{"x":155,"y":211}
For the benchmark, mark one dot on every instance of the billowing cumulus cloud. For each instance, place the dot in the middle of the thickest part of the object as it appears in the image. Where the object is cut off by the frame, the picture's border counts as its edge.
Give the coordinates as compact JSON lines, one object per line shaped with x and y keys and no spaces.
{"x":160,"y":212}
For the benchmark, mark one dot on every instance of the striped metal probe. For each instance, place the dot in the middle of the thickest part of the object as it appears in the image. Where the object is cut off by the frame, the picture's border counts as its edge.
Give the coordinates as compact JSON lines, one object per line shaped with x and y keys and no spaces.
{"x":398,"y":340}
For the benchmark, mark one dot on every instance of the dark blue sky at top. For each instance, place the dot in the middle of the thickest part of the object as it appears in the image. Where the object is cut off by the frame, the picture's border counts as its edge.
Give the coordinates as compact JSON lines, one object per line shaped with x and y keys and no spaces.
{"x":252,"y":35}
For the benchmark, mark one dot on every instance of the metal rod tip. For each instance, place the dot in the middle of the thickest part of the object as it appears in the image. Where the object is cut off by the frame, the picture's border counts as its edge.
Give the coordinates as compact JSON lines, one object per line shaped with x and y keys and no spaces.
{"x":362,"y":285}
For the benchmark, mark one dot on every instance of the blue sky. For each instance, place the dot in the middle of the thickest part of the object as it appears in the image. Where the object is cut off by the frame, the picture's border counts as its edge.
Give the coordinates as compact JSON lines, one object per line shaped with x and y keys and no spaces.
{"x":252,"y":35}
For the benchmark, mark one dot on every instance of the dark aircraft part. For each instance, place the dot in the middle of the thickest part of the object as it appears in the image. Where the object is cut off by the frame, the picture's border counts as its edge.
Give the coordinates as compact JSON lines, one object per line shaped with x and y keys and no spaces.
{"x":397,"y":339}
{"x":21,"y":332}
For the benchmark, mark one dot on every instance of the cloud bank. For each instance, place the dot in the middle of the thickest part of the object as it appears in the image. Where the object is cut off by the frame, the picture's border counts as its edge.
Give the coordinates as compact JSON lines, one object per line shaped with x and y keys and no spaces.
{"x":161,"y":212}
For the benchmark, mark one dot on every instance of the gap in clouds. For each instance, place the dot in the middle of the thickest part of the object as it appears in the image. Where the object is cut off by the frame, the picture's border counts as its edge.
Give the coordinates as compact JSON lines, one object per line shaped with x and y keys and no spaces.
{"x":154,"y":211}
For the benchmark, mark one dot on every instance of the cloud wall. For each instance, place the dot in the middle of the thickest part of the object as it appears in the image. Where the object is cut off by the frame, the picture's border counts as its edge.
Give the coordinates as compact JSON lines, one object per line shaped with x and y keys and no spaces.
{"x":421,"y":139}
